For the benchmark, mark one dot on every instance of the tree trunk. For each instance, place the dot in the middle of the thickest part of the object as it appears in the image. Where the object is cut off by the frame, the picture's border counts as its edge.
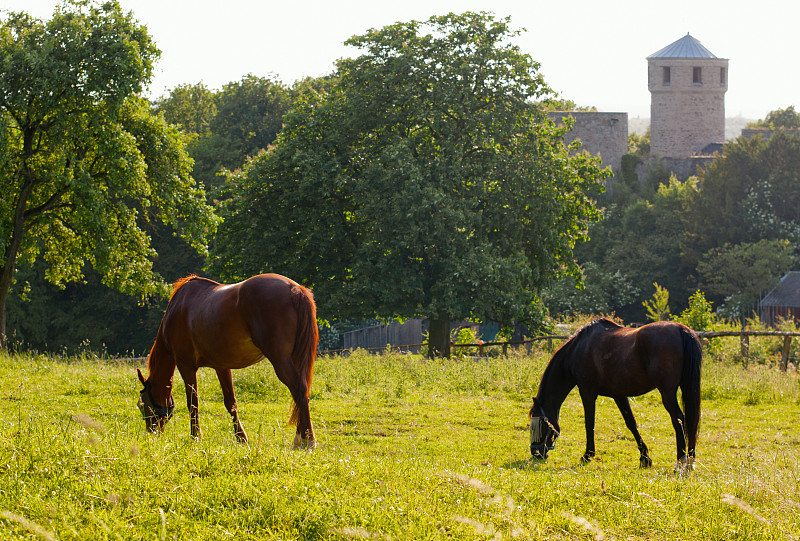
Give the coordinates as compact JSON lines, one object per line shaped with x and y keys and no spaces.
{"x":439,"y":336}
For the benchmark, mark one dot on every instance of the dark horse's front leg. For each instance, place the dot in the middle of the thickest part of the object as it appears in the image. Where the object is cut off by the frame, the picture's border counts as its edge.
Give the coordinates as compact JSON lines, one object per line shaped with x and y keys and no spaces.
{"x":624,"y":406}
{"x":588,"y":398}
{"x":229,"y":397}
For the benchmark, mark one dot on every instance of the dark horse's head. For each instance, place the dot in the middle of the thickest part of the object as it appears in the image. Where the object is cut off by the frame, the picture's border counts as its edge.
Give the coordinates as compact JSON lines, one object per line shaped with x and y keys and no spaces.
{"x":544,"y":431}
{"x":155,"y":416}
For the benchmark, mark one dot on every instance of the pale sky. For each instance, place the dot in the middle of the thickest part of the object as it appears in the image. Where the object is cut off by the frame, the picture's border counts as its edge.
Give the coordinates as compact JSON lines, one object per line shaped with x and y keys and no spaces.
{"x":592,"y":52}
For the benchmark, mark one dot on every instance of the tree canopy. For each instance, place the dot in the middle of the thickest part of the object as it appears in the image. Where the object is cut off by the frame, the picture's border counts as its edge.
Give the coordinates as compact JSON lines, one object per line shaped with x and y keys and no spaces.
{"x":425,"y":182}
{"x":84,"y":162}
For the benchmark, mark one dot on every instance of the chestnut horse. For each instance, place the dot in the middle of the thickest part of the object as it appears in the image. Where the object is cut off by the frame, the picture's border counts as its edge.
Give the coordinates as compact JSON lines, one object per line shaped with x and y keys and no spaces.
{"x":604,"y":359}
{"x":233,"y":326}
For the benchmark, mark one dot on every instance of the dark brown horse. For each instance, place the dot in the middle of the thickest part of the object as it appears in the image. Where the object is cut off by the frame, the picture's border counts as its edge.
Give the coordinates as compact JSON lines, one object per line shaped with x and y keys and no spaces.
{"x":604,"y":359}
{"x":233,"y":326}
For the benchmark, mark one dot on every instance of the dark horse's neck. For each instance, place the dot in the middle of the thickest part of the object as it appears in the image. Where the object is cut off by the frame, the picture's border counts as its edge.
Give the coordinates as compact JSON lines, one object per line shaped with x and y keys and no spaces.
{"x":557,"y":382}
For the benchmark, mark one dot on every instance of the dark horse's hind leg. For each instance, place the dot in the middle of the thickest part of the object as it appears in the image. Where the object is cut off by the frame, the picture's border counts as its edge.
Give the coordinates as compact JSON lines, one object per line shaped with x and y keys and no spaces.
{"x":624,"y":406}
{"x":286,"y":372}
{"x":670,"y":401}
{"x":229,"y":397}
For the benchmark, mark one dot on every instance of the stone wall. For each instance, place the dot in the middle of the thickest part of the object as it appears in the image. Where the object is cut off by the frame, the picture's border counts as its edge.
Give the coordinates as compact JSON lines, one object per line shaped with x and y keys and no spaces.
{"x":601,"y":134}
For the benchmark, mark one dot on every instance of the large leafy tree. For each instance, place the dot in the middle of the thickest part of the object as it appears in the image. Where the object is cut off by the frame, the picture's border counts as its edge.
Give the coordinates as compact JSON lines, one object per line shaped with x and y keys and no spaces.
{"x":84,"y":163}
{"x":228,"y":126}
{"x":425,"y":183}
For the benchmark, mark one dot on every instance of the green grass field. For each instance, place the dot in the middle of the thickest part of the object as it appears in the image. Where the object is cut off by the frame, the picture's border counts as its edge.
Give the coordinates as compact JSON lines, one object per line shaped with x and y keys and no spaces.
{"x":408,"y":449}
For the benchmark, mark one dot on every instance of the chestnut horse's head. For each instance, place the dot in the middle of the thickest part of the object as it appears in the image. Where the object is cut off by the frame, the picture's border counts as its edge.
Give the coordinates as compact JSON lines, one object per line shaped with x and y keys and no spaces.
{"x":543,"y":432}
{"x":155,"y":416}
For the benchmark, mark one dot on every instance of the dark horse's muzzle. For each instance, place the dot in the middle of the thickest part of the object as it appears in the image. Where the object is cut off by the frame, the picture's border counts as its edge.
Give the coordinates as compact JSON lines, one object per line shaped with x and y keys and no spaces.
{"x":154,"y":415}
{"x":543,"y":437}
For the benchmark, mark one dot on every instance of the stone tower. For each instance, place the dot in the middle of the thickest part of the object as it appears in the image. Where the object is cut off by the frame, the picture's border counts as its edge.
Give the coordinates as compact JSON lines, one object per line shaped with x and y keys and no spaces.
{"x":687,"y":86}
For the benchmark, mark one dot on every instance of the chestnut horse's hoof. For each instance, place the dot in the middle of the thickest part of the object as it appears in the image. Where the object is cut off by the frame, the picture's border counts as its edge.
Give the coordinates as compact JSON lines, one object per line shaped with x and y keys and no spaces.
{"x":304,"y":443}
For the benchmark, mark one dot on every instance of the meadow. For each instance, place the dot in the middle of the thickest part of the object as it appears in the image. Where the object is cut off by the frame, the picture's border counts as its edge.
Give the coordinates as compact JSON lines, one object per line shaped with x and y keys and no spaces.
{"x":409,"y":448}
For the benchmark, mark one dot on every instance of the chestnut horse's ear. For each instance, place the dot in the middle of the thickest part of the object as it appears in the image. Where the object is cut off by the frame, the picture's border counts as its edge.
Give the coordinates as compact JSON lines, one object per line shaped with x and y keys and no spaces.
{"x":141,"y":377}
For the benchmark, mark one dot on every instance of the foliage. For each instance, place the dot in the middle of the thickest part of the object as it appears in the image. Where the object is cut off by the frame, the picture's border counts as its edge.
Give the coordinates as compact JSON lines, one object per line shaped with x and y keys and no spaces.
{"x":640,"y":241}
{"x":84,"y":161}
{"x":779,"y":118}
{"x":408,"y":449}
{"x":741,"y":274}
{"x":228,"y":126}
{"x":658,"y":306}
{"x":555,"y":104}
{"x":423,"y":184}
{"x":699,"y":315}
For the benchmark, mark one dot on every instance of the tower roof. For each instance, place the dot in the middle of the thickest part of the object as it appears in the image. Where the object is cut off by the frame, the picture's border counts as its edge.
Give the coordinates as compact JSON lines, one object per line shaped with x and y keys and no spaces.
{"x":686,"y":47}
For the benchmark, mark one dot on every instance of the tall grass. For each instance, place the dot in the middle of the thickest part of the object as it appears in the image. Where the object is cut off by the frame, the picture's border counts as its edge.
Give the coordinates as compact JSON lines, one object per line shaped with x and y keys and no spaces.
{"x":409,"y":449}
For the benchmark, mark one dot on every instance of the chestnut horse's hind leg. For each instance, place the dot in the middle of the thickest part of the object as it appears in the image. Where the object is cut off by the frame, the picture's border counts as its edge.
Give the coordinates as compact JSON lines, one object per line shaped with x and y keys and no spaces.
{"x":189,"y":376}
{"x":286,"y":372}
{"x":624,"y":406}
{"x":229,"y":397}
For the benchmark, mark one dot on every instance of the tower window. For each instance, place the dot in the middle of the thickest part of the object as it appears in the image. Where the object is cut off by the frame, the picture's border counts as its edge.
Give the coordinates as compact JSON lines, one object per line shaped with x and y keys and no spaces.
{"x":722,"y":75}
{"x":667,"y":75}
{"x":697,"y":76}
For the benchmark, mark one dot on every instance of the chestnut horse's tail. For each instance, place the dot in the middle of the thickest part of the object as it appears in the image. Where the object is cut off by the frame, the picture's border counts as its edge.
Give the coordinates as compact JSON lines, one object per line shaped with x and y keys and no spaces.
{"x":690,"y":386}
{"x":305,"y":343}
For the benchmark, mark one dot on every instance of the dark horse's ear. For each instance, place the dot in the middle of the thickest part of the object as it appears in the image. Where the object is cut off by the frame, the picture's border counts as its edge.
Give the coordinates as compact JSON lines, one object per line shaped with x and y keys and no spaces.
{"x":534,"y":405}
{"x":141,"y":377}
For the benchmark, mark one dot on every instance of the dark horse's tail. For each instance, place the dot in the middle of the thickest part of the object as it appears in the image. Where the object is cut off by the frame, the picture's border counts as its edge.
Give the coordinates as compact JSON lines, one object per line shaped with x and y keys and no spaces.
{"x":690,"y":386}
{"x":305,"y":343}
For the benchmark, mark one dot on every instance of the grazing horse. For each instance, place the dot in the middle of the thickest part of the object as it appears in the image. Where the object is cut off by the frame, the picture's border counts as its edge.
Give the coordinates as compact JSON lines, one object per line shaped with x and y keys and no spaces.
{"x":233,"y":326}
{"x":604,"y":359}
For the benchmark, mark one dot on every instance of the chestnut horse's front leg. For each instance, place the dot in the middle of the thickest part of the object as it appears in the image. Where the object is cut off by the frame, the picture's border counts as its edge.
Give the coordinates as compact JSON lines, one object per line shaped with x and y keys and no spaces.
{"x":588,"y":398}
{"x":189,"y":376}
{"x":229,"y":397}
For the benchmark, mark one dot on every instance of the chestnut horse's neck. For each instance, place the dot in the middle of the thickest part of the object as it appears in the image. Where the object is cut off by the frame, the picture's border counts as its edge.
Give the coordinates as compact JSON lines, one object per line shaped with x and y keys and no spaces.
{"x":161,"y":364}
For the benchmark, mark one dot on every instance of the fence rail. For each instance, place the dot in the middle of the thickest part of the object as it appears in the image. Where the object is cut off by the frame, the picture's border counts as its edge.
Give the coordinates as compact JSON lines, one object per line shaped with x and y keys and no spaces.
{"x":744,"y":338}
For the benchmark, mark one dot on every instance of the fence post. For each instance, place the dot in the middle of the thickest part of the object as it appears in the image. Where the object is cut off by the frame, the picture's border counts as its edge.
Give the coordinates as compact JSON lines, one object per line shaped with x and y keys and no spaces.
{"x":787,"y":342}
{"x":744,"y":341}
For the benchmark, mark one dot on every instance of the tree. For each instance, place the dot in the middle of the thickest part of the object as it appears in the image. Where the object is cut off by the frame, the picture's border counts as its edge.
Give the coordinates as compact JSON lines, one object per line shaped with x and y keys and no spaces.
{"x":741,"y":274}
{"x":83,"y":160}
{"x":425,"y":183}
{"x":779,"y":118}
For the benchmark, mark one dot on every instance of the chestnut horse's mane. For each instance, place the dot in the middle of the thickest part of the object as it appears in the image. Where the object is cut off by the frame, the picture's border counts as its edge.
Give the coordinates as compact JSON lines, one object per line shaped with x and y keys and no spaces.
{"x":180,"y":282}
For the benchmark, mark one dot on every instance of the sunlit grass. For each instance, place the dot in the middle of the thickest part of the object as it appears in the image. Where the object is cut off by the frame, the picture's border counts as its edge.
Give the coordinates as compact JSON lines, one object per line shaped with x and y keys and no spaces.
{"x":409,"y":449}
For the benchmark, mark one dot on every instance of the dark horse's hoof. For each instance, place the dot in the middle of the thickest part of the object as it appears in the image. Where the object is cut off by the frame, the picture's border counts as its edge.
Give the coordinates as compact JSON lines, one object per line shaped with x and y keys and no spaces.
{"x":645,"y":462}
{"x":586,"y":458}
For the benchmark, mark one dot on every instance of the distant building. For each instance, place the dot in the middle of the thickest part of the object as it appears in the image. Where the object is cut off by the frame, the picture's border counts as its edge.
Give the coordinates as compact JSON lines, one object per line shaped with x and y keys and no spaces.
{"x":783,"y":302}
{"x":687,"y":84}
{"x":601,"y":134}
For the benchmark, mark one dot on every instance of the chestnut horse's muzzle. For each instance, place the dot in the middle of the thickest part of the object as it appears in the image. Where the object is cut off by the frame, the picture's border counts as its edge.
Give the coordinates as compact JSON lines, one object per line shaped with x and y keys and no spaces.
{"x":154,"y":415}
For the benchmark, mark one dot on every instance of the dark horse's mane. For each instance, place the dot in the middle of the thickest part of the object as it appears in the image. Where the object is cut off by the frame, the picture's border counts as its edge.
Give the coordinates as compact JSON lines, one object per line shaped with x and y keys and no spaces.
{"x":567,"y":348}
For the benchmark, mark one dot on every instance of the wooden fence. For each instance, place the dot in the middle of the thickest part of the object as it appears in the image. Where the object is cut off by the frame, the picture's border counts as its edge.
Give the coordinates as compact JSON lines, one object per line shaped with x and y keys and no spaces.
{"x":744,"y":338}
